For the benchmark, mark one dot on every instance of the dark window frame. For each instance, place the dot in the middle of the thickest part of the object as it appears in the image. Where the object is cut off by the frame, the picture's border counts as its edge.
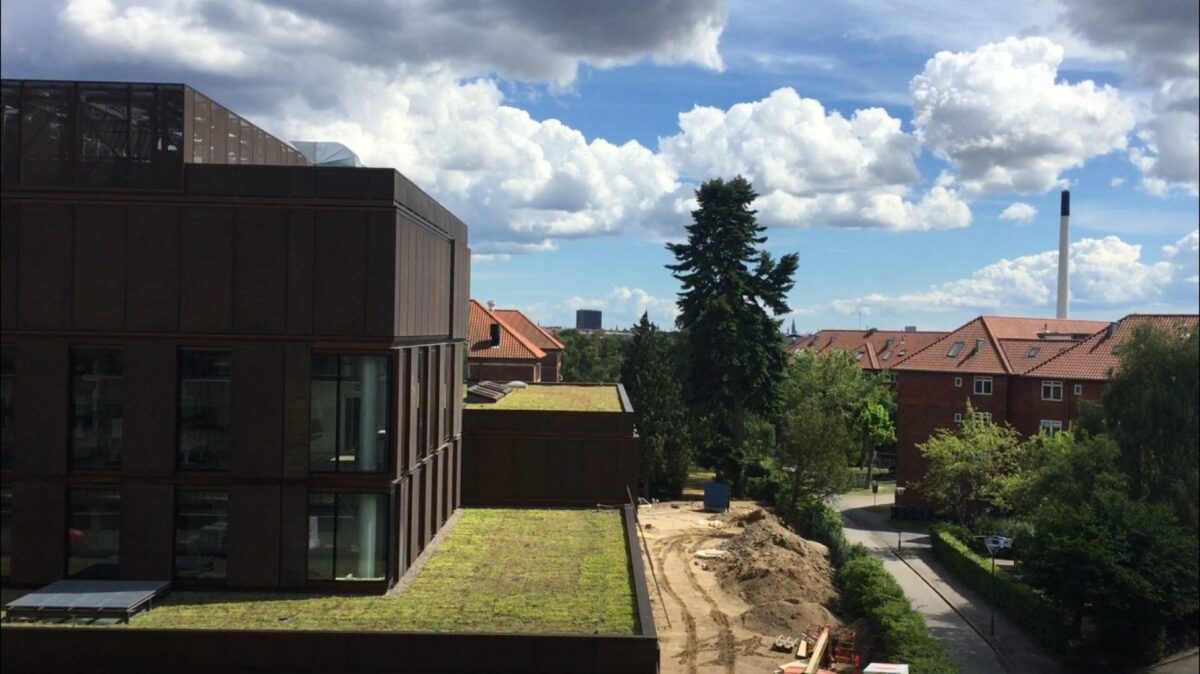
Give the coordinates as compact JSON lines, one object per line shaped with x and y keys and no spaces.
{"x":390,"y":407}
{"x":179,"y":464}
{"x":76,"y":350}
{"x":175,"y":536}
{"x":387,"y":511}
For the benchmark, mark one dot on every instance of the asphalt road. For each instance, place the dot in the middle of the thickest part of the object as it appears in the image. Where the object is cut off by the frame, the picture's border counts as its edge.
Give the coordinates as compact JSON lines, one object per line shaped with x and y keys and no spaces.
{"x":956,"y":616}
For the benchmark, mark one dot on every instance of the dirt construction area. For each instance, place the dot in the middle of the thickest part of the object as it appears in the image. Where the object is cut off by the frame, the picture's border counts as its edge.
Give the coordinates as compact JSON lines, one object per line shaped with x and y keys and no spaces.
{"x":730,"y":584}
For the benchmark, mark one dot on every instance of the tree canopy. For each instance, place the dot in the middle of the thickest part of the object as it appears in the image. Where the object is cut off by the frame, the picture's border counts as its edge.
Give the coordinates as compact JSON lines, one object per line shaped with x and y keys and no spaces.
{"x":651,"y":375}
{"x":731,"y":291}
{"x":591,"y":357}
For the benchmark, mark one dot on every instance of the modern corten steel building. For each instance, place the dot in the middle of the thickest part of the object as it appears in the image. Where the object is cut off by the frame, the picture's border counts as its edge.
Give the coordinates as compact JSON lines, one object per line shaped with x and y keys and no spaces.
{"x":220,"y":365}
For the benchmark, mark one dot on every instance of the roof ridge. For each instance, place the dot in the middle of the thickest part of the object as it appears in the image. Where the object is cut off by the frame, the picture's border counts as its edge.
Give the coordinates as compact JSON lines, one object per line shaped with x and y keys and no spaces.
{"x":1071,"y":349}
{"x":537,"y":327}
{"x":987,"y":330}
{"x":521,"y":339}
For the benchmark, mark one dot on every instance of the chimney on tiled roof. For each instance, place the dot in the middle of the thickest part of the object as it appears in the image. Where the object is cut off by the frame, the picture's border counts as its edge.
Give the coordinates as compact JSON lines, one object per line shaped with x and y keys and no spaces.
{"x":1063,"y":253}
{"x":491,"y":305}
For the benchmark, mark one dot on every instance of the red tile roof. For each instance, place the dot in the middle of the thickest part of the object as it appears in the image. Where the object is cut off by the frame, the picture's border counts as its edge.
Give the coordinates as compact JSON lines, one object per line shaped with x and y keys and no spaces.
{"x":513,"y":345}
{"x":528,"y":329}
{"x":879,"y":349}
{"x":981,"y":344}
{"x":1098,"y":355}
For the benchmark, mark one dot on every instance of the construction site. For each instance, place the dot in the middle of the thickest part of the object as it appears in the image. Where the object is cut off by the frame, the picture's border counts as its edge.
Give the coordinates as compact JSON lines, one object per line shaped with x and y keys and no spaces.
{"x":740,"y":592}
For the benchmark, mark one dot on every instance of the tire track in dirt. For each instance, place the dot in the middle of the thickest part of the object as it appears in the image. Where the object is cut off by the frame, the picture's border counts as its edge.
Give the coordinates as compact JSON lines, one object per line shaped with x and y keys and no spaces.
{"x":691,"y":646}
{"x":726,"y":645}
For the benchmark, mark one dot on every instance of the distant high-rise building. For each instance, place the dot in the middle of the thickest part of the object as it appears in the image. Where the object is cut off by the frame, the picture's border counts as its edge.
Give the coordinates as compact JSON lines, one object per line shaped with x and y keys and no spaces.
{"x":588,"y":319}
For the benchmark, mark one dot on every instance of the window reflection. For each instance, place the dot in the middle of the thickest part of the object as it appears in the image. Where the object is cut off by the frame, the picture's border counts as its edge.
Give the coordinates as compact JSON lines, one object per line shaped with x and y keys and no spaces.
{"x":347,"y":536}
{"x":204,"y":410}
{"x":348,"y":416}
{"x":97,"y":422}
{"x":201,"y":526}
{"x":93,"y":533}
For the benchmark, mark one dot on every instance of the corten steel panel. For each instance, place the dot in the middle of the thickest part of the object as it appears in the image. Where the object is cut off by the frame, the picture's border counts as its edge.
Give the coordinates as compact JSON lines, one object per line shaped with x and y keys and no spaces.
{"x":300,"y":273}
{"x":529,"y":469}
{"x":435,"y":494}
{"x":296,"y":409}
{"x":150,"y":407}
{"x":469,"y":480}
{"x":220,"y":141}
{"x":427,"y":486}
{"x":415,"y":540}
{"x":38,"y":533}
{"x":411,"y":400}
{"x":98,"y":283}
{"x":339,"y":279}
{"x":495,"y":472}
{"x":10,"y":235}
{"x":257,"y":411}
{"x":398,"y":555}
{"x":44,"y":267}
{"x":293,"y":536}
{"x":152,"y":269}
{"x":254,"y":535}
{"x":458,"y":473}
{"x":40,"y":408}
{"x":147,"y":530}
{"x":260,"y":271}
{"x":405,"y":288}
{"x":343,"y":183}
{"x":73,"y":650}
{"x":212,"y":180}
{"x":381,"y":273}
{"x":206,"y":270}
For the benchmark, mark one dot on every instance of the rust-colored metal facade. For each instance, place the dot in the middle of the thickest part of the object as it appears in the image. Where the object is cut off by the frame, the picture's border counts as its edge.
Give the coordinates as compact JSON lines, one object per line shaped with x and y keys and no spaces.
{"x":229,"y":243}
{"x":540,"y":458}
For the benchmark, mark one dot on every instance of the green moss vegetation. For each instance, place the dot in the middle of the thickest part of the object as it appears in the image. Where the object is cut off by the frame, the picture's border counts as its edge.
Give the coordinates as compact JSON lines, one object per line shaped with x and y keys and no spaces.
{"x":499,"y":570}
{"x":557,"y":398}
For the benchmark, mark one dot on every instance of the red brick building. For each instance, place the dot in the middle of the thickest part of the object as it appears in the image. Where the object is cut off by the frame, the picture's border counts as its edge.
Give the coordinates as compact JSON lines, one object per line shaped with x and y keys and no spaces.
{"x":875,"y":350}
{"x":498,"y":352}
{"x":1031,"y":373}
{"x":552,"y":363}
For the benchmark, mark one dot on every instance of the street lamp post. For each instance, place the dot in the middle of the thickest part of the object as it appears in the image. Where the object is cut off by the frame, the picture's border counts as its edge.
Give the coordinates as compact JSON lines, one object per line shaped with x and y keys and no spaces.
{"x":995,"y":544}
{"x":899,"y":527}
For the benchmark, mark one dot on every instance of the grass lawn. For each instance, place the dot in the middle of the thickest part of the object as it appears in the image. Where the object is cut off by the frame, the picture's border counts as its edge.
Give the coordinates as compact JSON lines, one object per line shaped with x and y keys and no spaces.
{"x":693,"y":487}
{"x":557,"y":399}
{"x":499,"y":570}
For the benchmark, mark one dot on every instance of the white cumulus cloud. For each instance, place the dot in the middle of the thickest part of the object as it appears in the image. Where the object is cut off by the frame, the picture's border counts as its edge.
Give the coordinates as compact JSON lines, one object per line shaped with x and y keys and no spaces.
{"x":1106,"y":272}
{"x":812,"y":166}
{"x":1019,"y":211}
{"x":1006,"y":121}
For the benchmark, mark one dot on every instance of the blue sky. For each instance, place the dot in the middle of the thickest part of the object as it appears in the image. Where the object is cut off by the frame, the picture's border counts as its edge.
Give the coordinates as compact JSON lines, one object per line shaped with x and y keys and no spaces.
{"x":911,"y":153}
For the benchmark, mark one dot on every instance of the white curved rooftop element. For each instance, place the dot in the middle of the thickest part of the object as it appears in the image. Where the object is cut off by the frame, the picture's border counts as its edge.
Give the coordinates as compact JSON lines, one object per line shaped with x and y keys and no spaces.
{"x":326,"y":153}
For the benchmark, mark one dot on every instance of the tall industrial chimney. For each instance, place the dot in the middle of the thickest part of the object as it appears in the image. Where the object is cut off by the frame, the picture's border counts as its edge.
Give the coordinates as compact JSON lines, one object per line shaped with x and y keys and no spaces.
{"x":1063,"y":253}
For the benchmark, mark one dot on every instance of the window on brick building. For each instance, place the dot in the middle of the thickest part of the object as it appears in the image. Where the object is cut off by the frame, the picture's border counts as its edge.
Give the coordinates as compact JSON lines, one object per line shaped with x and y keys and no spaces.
{"x":958,"y":382}
{"x":1079,"y":389}
{"x":1052,"y":390}
{"x":958,"y":417}
{"x":983,"y":416}
{"x":1051,"y":426}
{"x":983,"y":386}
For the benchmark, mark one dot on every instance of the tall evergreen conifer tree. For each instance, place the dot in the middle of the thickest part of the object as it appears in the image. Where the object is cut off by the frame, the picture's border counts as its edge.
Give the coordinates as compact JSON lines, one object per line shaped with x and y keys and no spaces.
{"x":731,"y":292}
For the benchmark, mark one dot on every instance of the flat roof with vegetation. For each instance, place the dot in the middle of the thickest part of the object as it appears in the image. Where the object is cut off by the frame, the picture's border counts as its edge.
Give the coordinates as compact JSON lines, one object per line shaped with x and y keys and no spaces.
{"x":557,"y":398}
{"x":498,"y":570}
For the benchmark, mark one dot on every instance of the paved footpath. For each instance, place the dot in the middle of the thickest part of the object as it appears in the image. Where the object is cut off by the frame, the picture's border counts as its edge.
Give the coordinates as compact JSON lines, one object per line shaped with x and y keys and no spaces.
{"x":956,"y":616}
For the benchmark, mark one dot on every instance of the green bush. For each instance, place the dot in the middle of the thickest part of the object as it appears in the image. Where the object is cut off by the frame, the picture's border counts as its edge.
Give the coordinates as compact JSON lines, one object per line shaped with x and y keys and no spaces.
{"x":1033,"y":612}
{"x":898,"y":632}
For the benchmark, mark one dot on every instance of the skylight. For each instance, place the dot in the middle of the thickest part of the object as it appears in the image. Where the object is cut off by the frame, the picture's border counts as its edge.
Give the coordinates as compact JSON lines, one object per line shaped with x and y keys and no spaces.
{"x":955,"y":349}
{"x":1033,"y":352}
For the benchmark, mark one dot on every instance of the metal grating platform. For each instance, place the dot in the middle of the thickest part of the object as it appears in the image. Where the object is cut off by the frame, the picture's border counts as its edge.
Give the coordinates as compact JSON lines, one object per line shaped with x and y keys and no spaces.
{"x":94,"y":599}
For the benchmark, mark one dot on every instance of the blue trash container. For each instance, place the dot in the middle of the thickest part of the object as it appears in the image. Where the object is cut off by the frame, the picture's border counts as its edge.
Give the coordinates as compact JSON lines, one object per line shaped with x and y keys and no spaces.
{"x":716,"y":497}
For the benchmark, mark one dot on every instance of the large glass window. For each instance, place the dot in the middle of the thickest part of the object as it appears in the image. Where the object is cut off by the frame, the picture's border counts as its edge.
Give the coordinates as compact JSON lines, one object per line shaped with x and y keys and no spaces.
{"x":347,"y":536}
{"x":1052,"y":390}
{"x":348,"y":415}
{"x":6,"y":499}
{"x":204,"y":410}
{"x":10,"y":133}
{"x":46,"y":134}
{"x":93,"y":533}
{"x":103,"y":121}
{"x":97,"y":380}
{"x":201,"y":525}
{"x":8,"y":372}
{"x":983,"y":386}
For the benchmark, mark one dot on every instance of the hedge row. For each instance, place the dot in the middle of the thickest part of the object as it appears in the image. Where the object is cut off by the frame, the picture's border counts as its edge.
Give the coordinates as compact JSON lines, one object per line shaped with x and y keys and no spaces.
{"x":1015,"y":599}
{"x":898,"y":633}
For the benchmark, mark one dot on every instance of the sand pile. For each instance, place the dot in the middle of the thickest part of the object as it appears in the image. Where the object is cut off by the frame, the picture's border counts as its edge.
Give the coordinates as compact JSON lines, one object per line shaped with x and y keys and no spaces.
{"x":786,"y":579}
